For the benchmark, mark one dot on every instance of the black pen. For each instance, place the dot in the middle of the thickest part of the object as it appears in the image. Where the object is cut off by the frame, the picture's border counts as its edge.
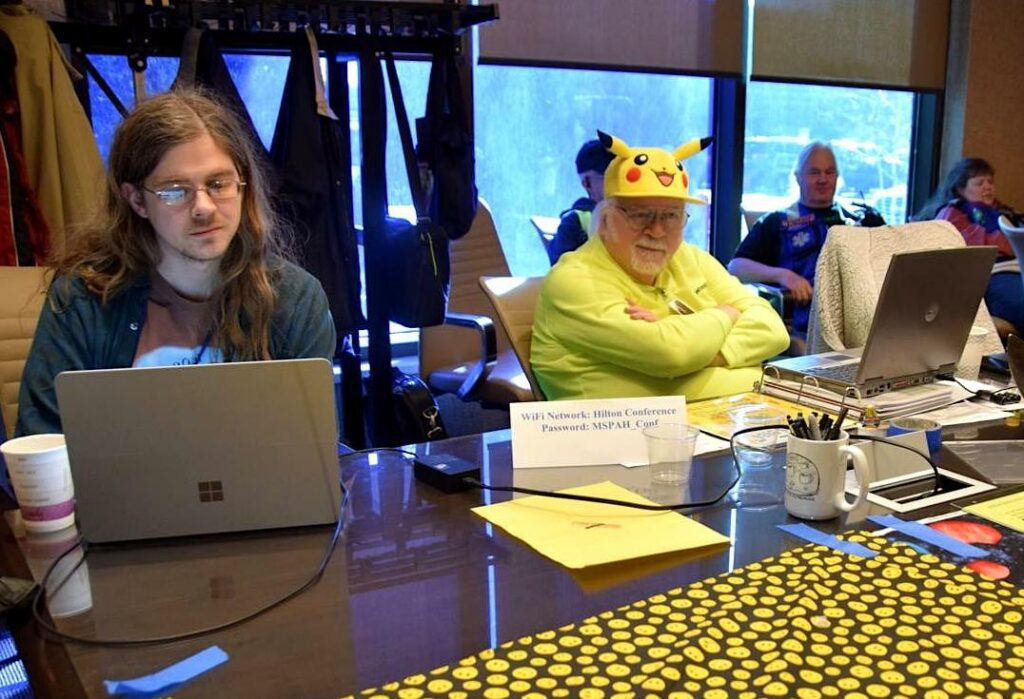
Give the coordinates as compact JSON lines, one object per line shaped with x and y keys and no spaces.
{"x":837,"y":428}
{"x":801,"y":426}
{"x":825,"y":425}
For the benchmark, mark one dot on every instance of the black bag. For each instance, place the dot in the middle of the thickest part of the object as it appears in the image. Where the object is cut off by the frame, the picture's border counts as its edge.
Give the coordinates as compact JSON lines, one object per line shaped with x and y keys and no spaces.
{"x":416,"y":415}
{"x":418,"y":294}
{"x":445,"y":147}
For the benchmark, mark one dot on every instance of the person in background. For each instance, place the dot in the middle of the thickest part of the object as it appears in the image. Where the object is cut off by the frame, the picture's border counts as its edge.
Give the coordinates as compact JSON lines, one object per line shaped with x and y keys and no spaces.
{"x":573,"y":229}
{"x":182,"y":266}
{"x":967,"y":199}
{"x":635,"y":311}
{"x":783,"y":246}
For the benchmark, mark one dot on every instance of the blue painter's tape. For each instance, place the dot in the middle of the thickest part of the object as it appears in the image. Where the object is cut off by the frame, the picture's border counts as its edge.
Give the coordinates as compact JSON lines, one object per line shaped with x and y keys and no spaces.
{"x":929,"y":535}
{"x":932,"y":430}
{"x":169,"y":679}
{"x":815,"y":536}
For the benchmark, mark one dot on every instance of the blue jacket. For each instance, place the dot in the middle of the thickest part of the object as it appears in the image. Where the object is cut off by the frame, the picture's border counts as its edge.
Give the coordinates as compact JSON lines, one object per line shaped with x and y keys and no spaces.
{"x":571,"y":232}
{"x":77,"y":331}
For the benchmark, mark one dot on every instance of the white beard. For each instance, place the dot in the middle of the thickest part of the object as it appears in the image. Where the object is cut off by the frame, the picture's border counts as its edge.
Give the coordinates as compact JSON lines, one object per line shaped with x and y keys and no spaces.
{"x":647,"y":261}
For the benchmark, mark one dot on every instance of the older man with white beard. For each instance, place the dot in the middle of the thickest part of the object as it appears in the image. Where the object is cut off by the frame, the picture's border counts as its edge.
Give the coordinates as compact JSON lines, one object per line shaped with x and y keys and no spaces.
{"x":637,"y":312}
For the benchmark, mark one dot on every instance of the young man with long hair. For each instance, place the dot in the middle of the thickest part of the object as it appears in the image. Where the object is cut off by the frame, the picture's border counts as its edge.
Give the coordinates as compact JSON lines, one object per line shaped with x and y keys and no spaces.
{"x":182,"y":265}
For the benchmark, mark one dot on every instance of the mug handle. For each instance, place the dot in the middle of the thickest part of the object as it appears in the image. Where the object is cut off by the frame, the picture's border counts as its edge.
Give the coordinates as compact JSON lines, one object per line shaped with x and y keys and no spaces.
{"x":864,"y":477}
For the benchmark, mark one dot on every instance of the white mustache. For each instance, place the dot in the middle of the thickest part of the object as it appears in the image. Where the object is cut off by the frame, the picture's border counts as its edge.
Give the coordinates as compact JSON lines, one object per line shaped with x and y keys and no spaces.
{"x":652,"y":244}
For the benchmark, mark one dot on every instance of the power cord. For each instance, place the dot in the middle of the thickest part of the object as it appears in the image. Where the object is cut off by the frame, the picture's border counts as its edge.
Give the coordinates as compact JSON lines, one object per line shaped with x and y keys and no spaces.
{"x":634,"y":505}
{"x":883,"y":440}
{"x":51,"y":631}
{"x":1003,"y":396}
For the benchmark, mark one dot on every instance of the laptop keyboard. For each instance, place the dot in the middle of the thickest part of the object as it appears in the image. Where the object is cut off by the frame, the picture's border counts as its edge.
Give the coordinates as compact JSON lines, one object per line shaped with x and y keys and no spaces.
{"x":845,"y":373}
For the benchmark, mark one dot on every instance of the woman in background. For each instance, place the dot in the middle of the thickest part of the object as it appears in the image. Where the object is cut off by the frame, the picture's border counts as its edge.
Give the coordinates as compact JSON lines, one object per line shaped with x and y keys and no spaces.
{"x":967,"y":199}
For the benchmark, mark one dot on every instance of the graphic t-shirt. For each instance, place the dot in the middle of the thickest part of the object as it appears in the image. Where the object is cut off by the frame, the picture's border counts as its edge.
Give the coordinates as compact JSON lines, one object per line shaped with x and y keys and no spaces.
{"x":792,"y":238}
{"x":177,"y":329}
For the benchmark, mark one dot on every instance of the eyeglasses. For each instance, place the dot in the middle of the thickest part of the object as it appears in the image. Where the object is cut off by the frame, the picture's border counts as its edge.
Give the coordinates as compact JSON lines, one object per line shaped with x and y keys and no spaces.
{"x":642,"y":219}
{"x":178,"y":194}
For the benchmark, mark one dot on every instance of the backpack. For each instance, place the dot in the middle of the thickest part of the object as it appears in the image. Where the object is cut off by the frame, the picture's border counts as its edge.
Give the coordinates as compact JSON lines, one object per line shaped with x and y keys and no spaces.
{"x":417,"y":418}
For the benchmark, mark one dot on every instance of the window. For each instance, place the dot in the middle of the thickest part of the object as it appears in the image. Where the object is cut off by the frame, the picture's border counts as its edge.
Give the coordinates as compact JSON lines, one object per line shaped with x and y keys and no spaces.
{"x":869,"y":129}
{"x":260,"y":83}
{"x":160,"y":72}
{"x":259,"y":79}
{"x":531,"y":121}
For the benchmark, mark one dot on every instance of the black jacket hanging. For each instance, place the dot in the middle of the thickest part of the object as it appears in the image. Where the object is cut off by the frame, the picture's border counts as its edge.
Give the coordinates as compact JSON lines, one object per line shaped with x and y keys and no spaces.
{"x":445,"y":147}
{"x":315,"y":184}
{"x":418,"y":292}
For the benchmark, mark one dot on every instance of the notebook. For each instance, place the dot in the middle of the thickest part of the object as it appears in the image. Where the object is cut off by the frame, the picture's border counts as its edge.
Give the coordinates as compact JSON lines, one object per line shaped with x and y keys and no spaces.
{"x":186,"y":450}
{"x":925,"y":310}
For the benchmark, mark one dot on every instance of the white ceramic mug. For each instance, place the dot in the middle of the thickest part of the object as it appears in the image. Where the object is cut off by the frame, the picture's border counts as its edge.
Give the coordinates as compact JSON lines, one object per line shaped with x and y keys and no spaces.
{"x":41,"y":476}
{"x":816,"y":477}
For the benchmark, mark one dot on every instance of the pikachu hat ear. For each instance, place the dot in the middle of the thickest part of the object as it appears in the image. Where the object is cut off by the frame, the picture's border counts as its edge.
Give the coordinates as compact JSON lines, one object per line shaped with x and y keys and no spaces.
{"x":649,"y":172}
{"x":692,"y":147}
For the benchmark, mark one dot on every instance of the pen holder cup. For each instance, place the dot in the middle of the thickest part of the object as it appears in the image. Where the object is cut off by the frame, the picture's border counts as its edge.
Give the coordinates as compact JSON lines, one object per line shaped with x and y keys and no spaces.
{"x":816,"y":476}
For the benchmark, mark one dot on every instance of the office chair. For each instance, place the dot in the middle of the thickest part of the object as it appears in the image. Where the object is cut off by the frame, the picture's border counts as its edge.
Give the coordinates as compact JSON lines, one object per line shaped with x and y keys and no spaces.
{"x":1014,"y":232}
{"x":468,"y":355}
{"x":546,"y":227}
{"x":24,"y":291}
{"x":514,"y":300}
{"x":849,"y":276}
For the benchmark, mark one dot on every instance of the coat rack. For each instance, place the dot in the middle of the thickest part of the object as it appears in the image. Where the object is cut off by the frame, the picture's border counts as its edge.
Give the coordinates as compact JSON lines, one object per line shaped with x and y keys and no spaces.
{"x":142,"y":28}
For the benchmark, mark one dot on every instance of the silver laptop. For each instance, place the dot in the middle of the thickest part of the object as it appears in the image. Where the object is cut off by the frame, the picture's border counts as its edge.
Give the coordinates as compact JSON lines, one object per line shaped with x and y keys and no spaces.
{"x":925,"y":310}
{"x":184,"y":450}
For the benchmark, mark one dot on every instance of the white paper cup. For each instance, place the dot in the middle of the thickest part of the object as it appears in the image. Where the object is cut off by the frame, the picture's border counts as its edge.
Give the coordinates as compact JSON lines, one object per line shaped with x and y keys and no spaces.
{"x":68,"y":591}
{"x":970,"y":361}
{"x":41,"y":476}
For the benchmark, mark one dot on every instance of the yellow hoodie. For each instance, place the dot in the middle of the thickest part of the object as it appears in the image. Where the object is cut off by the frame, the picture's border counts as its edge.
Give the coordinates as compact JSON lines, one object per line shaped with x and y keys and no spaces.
{"x":586,"y":346}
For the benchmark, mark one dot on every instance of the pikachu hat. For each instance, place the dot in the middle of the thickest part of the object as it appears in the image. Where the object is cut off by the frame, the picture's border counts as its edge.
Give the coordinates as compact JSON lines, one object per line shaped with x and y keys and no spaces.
{"x":649,"y":172}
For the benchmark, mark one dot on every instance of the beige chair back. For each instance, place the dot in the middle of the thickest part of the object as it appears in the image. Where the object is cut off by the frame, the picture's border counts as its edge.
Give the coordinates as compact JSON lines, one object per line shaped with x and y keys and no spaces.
{"x":447,"y":352}
{"x":22,"y":293}
{"x":475,"y":254}
{"x":514,"y":300}
{"x":751,"y":217}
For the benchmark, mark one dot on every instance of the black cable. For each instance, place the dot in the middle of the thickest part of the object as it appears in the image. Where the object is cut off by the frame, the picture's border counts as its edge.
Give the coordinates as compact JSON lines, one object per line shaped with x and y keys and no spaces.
{"x":983,"y":394}
{"x":604,"y":501}
{"x":50,"y":630}
{"x":635,"y":505}
{"x":883,"y":440}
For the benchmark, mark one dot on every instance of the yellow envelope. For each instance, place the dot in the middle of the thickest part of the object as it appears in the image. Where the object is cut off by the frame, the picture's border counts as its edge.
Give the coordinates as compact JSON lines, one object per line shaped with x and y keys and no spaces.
{"x":581,"y":534}
{"x":1007,"y":511}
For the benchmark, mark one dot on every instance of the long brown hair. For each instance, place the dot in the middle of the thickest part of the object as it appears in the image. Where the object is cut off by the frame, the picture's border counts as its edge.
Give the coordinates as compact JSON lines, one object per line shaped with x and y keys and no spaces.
{"x":119,"y":247}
